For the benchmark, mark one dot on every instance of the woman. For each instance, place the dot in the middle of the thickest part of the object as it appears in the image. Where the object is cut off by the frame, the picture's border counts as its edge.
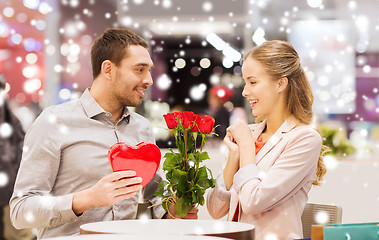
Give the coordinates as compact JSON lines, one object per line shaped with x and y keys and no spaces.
{"x":272,"y":164}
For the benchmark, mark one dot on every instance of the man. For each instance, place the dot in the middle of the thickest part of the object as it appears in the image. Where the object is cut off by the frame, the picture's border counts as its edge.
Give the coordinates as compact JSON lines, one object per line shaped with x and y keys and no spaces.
{"x":65,"y":179}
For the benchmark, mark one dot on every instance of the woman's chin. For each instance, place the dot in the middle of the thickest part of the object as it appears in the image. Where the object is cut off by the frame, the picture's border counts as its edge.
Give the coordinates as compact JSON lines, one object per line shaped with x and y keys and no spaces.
{"x":255,"y":113}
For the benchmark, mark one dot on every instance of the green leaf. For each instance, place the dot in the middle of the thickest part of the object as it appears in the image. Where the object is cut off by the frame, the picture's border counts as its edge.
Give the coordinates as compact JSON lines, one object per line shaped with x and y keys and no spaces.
{"x":180,"y":146}
{"x":201,"y":199}
{"x":190,"y":144}
{"x":191,"y":174}
{"x":161,"y":188}
{"x":170,"y":162}
{"x":181,"y":208}
{"x":194,"y":197}
{"x":188,"y":198}
{"x":205,"y":183}
{"x":177,"y":175}
{"x":202,"y":174}
{"x":204,"y":156}
{"x":169,"y":176}
{"x":168,"y":154}
{"x":182,"y":185}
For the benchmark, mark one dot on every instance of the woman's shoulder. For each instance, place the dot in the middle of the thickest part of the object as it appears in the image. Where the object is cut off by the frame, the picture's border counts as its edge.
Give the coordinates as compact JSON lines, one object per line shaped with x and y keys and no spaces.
{"x":306,"y":128}
{"x":304,"y":132}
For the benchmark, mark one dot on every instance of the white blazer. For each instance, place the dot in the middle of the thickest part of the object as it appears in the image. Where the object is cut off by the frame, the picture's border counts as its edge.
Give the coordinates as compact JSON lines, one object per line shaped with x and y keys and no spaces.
{"x":272,"y":194}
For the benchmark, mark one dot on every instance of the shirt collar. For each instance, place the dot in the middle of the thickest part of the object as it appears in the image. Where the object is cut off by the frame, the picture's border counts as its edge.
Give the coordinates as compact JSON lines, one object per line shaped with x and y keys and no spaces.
{"x":92,"y":108}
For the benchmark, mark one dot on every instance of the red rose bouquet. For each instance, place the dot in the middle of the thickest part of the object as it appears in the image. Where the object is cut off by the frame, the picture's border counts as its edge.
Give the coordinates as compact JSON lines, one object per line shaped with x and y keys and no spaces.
{"x":186,"y":181}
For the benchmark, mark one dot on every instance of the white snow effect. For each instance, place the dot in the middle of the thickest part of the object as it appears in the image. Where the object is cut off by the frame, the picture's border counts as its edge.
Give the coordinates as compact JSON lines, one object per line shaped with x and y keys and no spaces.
{"x":4,"y":179}
{"x":6,"y":130}
{"x":322,"y":217}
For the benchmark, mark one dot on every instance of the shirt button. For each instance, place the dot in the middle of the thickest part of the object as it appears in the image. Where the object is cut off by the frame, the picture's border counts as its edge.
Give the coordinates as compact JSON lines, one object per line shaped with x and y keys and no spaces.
{"x":115,"y":208}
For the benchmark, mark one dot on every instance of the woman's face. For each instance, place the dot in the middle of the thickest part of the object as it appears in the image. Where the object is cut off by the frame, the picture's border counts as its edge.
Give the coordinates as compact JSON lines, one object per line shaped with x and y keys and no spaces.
{"x":260,"y":90}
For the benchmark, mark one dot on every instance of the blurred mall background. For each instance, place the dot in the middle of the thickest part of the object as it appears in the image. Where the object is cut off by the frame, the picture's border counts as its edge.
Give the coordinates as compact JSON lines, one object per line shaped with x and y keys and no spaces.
{"x":45,"y":59}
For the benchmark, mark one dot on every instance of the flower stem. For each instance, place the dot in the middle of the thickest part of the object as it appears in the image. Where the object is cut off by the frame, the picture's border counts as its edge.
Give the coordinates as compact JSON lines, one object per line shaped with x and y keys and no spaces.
{"x":202,"y":142}
{"x":185,"y":151}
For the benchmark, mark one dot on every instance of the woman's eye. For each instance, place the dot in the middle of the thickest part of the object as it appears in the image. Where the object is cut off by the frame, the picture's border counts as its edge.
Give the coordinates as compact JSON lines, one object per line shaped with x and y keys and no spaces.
{"x":252,"y":83}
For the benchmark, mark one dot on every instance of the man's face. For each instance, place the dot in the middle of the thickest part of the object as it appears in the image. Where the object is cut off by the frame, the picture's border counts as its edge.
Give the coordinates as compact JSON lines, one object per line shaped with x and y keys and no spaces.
{"x":132,"y":76}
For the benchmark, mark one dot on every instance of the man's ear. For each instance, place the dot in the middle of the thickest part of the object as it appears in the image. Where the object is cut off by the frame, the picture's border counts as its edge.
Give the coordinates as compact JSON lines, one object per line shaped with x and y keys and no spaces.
{"x":282,"y":84}
{"x":106,"y":69}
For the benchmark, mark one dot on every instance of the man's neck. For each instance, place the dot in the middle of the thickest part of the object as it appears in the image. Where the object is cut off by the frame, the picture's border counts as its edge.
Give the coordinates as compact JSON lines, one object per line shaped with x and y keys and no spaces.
{"x":106,"y":102}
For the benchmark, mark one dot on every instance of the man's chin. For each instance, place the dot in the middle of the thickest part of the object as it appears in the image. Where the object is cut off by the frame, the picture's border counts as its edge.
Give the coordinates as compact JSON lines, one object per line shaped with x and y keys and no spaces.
{"x":133,"y":104}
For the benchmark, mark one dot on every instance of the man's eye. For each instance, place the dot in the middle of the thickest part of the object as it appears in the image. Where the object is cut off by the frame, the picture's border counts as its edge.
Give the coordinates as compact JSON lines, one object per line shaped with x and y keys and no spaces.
{"x":140,"y":70}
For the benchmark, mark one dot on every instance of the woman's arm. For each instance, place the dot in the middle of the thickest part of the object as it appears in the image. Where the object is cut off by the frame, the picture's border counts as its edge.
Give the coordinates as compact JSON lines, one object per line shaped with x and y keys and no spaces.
{"x":232,"y":165}
{"x":218,"y":198}
{"x":240,"y":134}
{"x":262,"y":191}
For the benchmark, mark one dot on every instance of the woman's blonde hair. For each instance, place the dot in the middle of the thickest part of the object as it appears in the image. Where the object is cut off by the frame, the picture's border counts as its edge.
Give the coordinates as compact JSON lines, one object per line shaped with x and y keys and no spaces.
{"x":279,"y":59}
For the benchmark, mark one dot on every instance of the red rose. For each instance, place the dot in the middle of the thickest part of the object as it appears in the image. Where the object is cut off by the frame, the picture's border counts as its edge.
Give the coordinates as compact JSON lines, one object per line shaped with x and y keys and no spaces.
{"x":206,"y":124}
{"x":178,"y":117}
{"x":171,"y":120}
{"x":188,"y":119}
{"x":196,"y":121}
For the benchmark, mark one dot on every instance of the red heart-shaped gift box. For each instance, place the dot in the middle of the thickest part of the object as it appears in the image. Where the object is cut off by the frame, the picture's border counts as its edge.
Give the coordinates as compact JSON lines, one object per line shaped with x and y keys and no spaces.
{"x":143,"y":158}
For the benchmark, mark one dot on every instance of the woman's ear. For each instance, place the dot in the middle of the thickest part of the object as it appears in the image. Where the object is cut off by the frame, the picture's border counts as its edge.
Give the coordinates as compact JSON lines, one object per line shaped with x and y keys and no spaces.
{"x":282,"y":84}
{"x":106,"y":69}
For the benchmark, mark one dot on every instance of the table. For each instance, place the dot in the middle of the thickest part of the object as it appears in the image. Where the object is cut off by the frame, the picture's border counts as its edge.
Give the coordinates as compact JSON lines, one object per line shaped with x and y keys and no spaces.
{"x":218,"y":228}
{"x":134,"y":237}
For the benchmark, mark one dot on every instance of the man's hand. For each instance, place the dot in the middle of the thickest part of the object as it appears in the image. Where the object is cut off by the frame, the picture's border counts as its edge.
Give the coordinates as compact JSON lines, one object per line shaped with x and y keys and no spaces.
{"x":109,"y":190}
{"x":192,"y":213}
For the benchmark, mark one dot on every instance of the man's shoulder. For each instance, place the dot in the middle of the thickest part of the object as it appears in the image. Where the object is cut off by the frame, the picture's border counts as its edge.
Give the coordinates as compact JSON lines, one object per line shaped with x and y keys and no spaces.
{"x":139,"y":118}
{"x":63,"y":107}
{"x":59,"y":111}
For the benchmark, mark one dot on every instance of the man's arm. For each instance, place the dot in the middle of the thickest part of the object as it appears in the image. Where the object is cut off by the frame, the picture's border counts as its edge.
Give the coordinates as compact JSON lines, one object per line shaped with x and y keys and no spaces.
{"x":108,"y":191}
{"x":33,"y":206}
{"x":31,"y":203}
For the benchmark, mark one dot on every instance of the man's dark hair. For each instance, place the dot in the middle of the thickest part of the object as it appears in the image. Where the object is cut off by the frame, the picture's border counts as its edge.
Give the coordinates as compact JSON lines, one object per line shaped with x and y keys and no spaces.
{"x":112,"y":45}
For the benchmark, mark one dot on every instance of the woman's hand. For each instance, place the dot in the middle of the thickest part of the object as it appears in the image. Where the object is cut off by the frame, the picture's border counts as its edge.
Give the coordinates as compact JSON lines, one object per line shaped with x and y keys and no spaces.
{"x":231,"y":143}
{"x":240,"y":133}
{"x":232,"y":165}
{"x":243,"y":136}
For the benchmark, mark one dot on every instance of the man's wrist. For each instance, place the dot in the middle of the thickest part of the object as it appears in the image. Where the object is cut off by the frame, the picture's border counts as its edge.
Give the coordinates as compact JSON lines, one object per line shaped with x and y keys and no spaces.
{"x":81,"y":202}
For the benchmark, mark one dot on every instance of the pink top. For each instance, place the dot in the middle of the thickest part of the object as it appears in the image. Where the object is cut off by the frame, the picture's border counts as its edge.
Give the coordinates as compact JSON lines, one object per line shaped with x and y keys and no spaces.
{"x":272,"y":193}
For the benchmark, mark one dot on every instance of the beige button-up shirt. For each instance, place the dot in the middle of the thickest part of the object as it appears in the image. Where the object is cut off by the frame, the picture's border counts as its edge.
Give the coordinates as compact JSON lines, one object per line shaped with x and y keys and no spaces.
{"x":66,"y":151}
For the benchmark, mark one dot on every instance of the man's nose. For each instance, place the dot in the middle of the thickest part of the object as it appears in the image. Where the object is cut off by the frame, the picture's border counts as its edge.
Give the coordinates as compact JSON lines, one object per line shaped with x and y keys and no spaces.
{"x":148,"y":79}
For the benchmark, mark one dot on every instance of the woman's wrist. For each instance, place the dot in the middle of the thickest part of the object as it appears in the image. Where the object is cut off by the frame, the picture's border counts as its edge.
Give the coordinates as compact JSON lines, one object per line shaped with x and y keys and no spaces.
{"x":247,"y":156}
{"x":246,"y":145}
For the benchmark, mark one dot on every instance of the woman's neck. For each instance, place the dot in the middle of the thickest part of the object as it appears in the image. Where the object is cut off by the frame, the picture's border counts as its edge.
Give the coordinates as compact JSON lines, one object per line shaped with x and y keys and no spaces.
{"x":274,"y":121}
